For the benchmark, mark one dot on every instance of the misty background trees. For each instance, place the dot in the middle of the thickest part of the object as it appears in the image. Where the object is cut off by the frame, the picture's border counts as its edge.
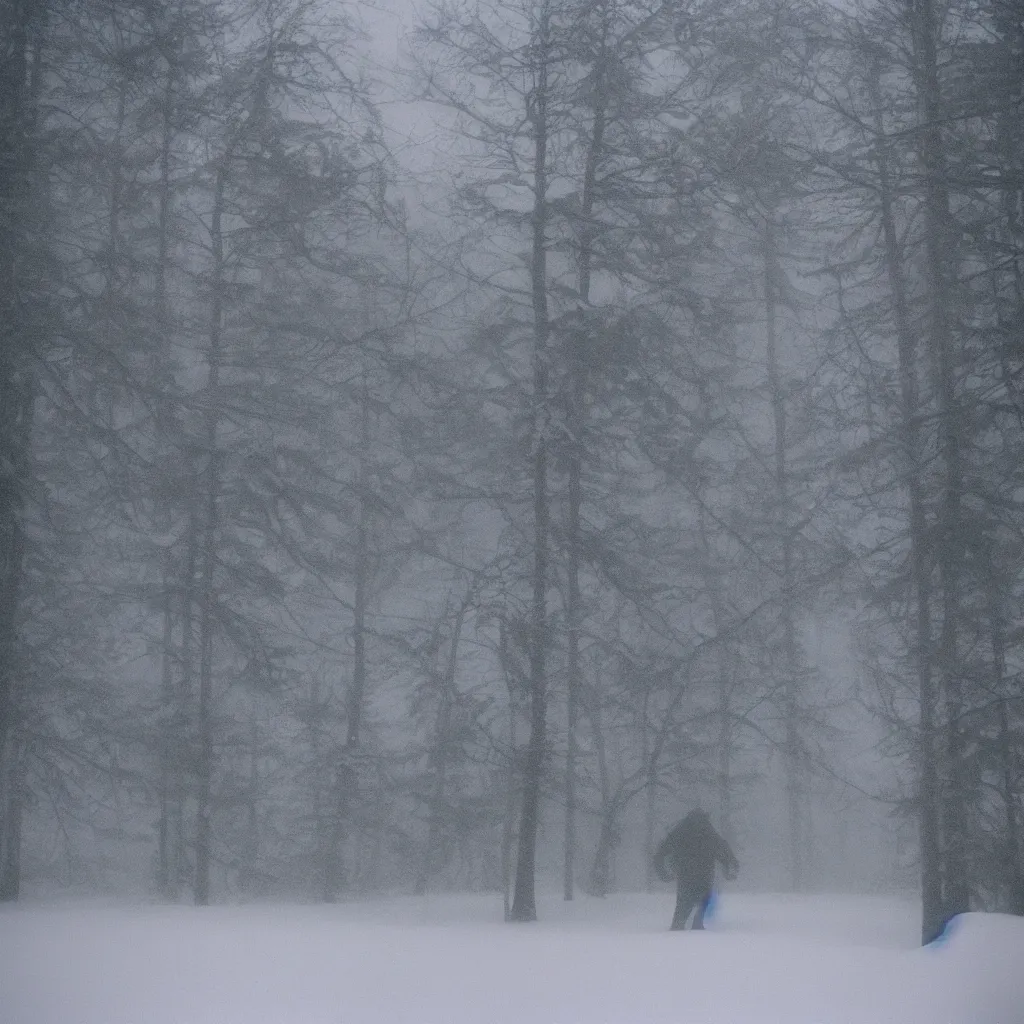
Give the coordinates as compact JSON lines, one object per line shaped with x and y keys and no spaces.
{"x":447,"y":475}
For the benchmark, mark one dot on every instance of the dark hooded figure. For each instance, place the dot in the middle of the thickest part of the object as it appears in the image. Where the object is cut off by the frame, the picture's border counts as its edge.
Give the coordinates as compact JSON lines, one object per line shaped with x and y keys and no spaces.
{"x":688,"y":854}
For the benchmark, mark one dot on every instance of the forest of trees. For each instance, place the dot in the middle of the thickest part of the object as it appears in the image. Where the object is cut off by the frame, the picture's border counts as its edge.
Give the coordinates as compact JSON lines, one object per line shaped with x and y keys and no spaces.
{"x":443,"y":475}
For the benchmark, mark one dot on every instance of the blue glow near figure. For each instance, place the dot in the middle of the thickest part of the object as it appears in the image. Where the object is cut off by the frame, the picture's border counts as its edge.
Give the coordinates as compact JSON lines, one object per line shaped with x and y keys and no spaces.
{"x":711,"y":907}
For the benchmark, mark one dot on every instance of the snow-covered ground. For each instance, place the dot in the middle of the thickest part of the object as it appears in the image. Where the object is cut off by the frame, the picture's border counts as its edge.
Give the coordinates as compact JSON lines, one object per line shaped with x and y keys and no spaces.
{"x":450,"y":960}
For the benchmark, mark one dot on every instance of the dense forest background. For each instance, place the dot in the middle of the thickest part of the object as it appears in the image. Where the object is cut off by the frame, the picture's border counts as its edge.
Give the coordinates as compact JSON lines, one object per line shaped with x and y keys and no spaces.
{"x":442,"y":464}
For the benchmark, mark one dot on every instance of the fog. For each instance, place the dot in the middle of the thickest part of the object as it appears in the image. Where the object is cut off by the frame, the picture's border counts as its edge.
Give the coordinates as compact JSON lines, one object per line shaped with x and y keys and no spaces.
{"x":441,"y":446}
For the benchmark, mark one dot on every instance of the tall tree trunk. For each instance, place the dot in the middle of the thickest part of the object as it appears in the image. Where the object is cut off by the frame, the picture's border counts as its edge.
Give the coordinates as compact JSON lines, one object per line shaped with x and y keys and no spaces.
{"x":207,"y":580}
{"x":791,"y":666}
{"x":524,"y":900}
{"x":950,"y":553}
{"x":347,"y":776}
{"x":170,"y":838}
{"x":184,"y":736}
{"x":573,"y":615}
{"x":17,"y":129}
{"x":932,"y":914}
{"x":577,"y":393}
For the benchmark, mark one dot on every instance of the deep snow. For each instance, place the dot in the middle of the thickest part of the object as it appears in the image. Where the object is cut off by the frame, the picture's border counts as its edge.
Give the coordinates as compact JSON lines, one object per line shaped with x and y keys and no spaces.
{"x":451,"y":960}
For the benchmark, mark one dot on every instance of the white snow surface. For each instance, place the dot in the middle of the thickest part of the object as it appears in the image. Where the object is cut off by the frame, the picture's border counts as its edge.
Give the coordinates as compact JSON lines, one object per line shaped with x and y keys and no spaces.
{"x":451,"y":960}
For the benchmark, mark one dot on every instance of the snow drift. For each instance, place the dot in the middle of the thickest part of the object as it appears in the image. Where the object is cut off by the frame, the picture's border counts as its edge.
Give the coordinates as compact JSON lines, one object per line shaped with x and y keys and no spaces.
{"x":450,"y":960}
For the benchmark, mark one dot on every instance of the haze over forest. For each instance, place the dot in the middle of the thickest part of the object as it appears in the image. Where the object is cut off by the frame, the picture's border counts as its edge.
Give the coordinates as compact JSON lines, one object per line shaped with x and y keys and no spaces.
{"x":441,"y":445}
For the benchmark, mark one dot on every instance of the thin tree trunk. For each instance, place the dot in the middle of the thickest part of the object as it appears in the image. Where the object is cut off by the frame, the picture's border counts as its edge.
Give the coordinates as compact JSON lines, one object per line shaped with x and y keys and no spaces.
{"x":726,"y":739}
{"x":347,"y":777}
{"x":524,"y":901}
{"x":723,"y":775}
{"x":167,"y":868}
{"x":650,"y":795}
{"x":998,"y":591}
{"x":314,"y":725}
{"x":508,"y":830}
{"x":207,"y":583}
{"x":185,"y":738}
{"x":442,"y":735}
{"x":171,"y":790}
{"x":932,"y":913}
{"x":573,"y":614}
{"x":1014,"y":864}
{"x":601,"y":868}
{"x":186,"y":703}
{"x":512,"y":775}
{"x":791,"y":667}
{"x":250,"y":867}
